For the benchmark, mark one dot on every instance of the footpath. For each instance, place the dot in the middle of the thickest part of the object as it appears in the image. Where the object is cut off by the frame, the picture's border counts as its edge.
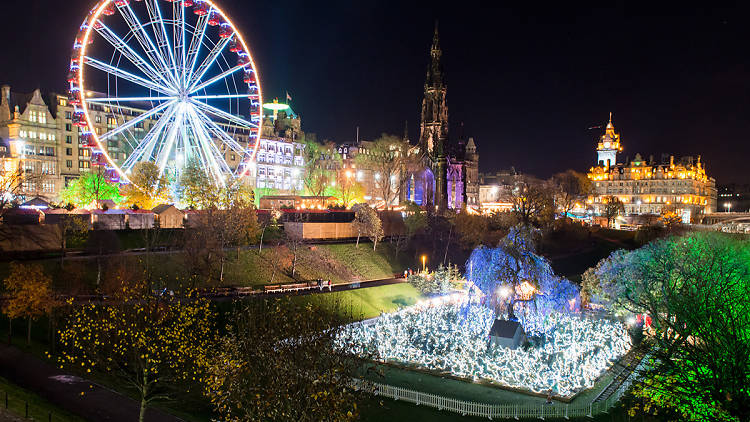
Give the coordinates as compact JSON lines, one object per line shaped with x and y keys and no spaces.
{"x":84,"y":398}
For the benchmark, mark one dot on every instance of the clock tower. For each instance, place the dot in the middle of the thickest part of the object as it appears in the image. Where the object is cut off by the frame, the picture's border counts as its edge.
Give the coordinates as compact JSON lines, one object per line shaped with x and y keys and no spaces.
{"x":609,"y":146}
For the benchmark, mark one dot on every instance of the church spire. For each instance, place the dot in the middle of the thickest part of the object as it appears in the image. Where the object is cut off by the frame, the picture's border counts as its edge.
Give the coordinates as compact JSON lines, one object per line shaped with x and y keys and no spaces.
{"x":434,"y":122}
{"x":436,"y":38}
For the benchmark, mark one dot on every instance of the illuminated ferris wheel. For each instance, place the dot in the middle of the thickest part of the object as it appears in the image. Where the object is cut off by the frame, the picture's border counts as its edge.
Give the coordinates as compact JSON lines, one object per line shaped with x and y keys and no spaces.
{"x":176,"y":83}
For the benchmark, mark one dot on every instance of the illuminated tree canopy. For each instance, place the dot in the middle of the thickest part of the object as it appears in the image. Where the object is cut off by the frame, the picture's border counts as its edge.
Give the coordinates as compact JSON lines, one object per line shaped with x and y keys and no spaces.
{"x":514,"y":263}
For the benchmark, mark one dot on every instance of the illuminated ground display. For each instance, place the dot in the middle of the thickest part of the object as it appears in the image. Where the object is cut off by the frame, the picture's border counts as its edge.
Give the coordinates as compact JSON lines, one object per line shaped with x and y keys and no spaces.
{"x":567,"y":352}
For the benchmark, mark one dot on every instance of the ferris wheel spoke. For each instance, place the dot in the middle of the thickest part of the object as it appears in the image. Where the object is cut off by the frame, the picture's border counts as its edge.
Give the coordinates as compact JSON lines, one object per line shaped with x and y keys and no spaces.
{"x":126,"y":99}
{"x":218,"y":77}
{"x":135,"y":121}
{"x":223,"y":114}
{"x":208,"y":61}
{"x":216,"y":163}
{"x":127,"y":76}
{"x":129,"y":53}
{"x":220,"y":96}
{"x":162,"y":156}
{"x":140,"y":33}
{"x":180,"y":43}
{"x":195,"y":44}
{"x":220,"y":133}
{"x":160,"y":33}
{"x":146,"y":146}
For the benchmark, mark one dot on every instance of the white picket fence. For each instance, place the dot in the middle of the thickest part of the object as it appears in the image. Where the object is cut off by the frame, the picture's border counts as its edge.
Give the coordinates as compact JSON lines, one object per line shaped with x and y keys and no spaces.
{"x":496,"y":411}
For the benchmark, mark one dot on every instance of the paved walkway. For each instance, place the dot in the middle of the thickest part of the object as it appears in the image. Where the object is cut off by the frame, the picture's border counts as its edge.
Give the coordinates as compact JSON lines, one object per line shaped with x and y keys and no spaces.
{"x":76,"y":395}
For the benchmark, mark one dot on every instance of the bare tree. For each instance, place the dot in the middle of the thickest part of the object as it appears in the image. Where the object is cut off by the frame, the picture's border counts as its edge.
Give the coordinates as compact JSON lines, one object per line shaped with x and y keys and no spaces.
{"x":612,"y":208}
{"x":570,"y":188}
{"x":533,"y":201}
{"x":387,"y":157}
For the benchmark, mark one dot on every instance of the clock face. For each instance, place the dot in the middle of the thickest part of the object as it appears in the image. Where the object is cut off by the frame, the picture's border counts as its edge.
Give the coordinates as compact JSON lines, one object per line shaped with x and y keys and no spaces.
{"x":606,"y":145}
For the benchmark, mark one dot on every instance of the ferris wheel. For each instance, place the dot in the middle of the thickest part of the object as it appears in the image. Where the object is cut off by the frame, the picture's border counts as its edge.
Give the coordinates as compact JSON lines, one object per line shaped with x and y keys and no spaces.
{"x":176,"y":83}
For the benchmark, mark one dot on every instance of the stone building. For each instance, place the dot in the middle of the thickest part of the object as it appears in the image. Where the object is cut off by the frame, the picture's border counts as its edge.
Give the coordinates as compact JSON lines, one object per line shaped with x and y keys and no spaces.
{"x":279,"y":161}
{"x":446,"y":175}
{"x":647,"y":186}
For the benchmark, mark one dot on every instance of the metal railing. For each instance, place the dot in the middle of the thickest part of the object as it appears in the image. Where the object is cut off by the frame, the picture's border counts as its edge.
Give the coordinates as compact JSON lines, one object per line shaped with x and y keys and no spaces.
{"x":497,"y":411}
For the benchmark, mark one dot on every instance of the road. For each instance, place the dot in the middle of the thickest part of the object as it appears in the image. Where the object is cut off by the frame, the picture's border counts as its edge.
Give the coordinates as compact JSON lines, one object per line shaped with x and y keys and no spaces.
{"x":86,"y":399}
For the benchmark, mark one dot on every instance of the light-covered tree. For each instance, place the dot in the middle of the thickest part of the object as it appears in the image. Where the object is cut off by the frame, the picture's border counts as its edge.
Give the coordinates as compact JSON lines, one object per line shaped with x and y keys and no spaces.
{"x":440,"y":281}
{"x":147,"y":188}
{"x":91,"y":187}
{"x":154,"y":346}
{"x":30,"y":295}
{"x":367,"y":223}
{"x":500,"y":272}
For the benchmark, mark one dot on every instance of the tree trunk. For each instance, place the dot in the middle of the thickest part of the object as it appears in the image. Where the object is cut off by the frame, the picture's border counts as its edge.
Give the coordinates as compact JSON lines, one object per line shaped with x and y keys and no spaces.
{"x":374,"y":244}
{"x":64,"y":246}
{"x":28,"y":332}
{"x":357,"y":239}
{"x":10,"y":330}
{"x":221,"y":270}
{"x":142,"y":413}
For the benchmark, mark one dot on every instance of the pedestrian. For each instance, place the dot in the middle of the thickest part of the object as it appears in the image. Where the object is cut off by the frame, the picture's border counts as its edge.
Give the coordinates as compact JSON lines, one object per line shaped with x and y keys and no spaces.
{"x":405,"y":273}
{"x":329,"y":285}
{"x":549,"y":396}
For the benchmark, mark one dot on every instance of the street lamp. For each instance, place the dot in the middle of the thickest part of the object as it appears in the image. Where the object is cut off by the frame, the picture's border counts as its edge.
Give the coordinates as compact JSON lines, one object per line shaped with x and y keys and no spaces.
{"x":424,"y":262}
{"x":728,"y":206}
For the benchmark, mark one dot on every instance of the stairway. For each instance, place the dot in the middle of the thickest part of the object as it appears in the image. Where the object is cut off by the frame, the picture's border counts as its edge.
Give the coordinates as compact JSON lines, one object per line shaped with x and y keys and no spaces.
{"x":622,"y":370}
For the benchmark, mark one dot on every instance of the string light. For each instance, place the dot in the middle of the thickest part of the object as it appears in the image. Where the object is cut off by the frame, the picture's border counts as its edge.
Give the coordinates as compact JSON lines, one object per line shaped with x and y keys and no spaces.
{"x":567,"y":352}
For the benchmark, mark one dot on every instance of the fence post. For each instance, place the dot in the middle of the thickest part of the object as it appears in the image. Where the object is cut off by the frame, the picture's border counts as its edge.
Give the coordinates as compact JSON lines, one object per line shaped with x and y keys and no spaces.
{"x":566,"y":410}
{"x":516,"y":410}
{"x":590,"y":408}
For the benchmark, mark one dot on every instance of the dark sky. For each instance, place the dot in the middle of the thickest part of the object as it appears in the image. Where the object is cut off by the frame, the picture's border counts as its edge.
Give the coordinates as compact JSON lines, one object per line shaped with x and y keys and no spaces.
{"x":527,"y":79}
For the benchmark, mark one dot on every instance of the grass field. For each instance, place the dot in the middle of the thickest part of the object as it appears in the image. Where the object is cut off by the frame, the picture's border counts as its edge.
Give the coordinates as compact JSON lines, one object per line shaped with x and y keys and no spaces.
{"x":366,"y":303}
{"x":338,"y":262}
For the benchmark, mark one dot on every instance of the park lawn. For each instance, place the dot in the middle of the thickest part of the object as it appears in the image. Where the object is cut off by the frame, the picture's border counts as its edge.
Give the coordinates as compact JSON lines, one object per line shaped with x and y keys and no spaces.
{"x":365,"y":263}
{"x":365,"y":303}
{"x":39,"y":408}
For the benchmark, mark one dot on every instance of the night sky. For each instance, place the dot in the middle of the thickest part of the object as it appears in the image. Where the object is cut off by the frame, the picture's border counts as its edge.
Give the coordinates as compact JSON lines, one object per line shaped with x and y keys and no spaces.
{"x":527,"y":79}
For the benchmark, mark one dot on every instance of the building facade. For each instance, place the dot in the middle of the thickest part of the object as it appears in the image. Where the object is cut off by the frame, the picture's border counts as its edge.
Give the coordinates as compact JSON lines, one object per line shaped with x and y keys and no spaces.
{"x":279,"y":161}
{"x":37,"y":132}
{"x":650,"y":186}
{"x":446,"y":173}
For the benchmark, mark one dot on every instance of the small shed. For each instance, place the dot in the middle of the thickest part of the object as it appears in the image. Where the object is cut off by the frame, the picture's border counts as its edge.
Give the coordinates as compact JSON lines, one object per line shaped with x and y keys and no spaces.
{"x":58,"y":215}
{"x":507,"y":333}
{"x":111,"y":219}
{"x":22,"y":216}
{"x":169,"y":216}
{"x":139,"y":219}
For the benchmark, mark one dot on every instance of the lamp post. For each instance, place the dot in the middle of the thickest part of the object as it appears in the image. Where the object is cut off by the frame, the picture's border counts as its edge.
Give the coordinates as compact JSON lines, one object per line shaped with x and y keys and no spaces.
{"x":424,"y":262}
{"x":728,"y":207}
